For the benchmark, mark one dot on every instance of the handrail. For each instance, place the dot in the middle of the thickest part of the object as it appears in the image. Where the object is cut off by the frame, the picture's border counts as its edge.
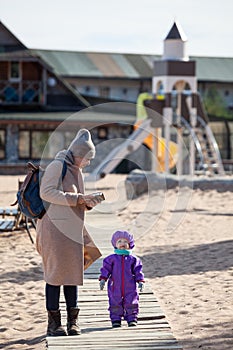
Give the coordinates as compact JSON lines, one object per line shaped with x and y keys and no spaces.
{"x":195,"y":138}
{"x":213,"y":143}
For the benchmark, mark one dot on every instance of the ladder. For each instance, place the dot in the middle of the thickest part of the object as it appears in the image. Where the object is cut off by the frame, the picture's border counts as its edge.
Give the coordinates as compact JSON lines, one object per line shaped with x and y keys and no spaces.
{"x":208,"y":158}
{"x":212,"y":158}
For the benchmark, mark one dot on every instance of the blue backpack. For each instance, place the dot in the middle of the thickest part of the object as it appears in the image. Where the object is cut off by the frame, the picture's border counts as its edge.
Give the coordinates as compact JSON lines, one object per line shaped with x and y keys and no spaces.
{"x":28,"y":196}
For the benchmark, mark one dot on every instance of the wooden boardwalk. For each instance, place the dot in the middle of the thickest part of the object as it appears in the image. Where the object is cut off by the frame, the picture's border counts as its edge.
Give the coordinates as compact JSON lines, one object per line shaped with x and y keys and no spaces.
{"x":153,"y":330}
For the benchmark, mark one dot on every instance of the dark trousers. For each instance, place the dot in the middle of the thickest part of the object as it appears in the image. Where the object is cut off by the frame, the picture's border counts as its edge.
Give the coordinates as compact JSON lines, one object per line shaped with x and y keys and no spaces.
{"x":52,"y":294}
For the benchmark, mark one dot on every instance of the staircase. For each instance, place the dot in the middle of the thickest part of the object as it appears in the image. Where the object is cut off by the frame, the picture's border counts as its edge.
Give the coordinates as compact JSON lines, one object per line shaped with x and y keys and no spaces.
{"x":208,"y":158}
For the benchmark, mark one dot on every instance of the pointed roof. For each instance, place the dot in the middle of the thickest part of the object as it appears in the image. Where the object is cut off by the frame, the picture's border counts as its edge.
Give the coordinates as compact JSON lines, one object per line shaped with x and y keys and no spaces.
{"x":176,"y":32}
{"x":8,"y":41}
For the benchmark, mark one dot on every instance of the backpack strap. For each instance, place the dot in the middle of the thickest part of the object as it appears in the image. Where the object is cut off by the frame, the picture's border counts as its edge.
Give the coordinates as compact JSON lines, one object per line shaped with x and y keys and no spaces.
{"x":32,"y":166}
{"x":64,"y":170}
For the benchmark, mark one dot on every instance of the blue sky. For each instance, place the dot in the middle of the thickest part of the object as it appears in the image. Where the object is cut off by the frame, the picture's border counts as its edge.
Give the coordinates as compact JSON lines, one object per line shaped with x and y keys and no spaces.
{"x":128,"y":26}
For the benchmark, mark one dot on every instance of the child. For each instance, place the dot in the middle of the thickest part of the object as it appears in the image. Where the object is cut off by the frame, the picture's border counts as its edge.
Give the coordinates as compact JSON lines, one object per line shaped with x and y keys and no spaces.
{"x":122,"y":270}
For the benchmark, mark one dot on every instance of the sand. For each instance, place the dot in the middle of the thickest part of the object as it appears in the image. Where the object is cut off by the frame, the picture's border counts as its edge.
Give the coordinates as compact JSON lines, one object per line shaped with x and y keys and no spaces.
{"x":185,"y":241}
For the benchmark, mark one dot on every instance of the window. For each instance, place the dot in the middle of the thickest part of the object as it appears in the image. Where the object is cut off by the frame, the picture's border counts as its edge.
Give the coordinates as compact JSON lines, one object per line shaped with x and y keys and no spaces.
{"x":104,"y":92}
{"x":43,"y":143}
{"x":39,"y":144}
{"x":68,"y":138}
{"x":2,"y":144}
{"x":24,"y":144}
{"x":14,"y":71}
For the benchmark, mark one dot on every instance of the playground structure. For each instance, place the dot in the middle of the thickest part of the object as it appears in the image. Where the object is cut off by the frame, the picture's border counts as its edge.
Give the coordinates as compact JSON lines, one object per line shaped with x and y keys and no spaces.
{"x":207,"y":159}
{"x":194,"y":134}
{"x":174,"y":107}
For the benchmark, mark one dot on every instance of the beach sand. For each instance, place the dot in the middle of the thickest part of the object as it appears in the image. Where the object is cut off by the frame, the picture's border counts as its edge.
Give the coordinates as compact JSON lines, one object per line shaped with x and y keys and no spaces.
{"x":185,"y":241}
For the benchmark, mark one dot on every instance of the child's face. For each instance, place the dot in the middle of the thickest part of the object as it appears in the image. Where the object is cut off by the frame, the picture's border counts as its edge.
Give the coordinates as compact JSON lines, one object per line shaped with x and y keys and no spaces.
{"x":122,"y":243}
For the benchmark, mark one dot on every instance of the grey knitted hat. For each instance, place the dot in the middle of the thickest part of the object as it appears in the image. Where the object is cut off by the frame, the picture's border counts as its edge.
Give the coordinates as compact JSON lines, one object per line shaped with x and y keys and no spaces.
{"x":82,"y":145}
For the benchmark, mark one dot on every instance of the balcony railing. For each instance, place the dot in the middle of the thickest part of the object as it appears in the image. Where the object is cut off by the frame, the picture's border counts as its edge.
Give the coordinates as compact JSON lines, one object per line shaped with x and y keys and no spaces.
{"x":20,"y":92}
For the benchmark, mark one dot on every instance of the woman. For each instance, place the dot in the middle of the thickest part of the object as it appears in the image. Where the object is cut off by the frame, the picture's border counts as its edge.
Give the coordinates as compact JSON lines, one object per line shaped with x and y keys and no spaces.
{"x":62,"y":239}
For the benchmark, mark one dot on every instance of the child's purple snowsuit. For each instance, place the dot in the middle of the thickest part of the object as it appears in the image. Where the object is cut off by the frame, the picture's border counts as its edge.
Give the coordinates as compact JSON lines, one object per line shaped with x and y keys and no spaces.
{"x":122,"y":272}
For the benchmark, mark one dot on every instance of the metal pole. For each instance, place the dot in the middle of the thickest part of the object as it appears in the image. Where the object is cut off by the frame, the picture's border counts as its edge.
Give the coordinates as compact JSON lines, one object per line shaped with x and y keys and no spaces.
{"x":154,"y":163}
{"x":167,"y":112}
{"x":179,"y":136}
{"x":193,"y":123}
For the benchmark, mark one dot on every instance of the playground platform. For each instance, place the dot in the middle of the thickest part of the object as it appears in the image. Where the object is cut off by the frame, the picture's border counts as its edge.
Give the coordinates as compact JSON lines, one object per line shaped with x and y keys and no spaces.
{"x":153,"y":330}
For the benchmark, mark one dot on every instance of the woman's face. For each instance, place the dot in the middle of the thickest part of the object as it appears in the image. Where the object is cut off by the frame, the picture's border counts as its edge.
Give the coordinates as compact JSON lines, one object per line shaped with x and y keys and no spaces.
{"x":81,"y":162}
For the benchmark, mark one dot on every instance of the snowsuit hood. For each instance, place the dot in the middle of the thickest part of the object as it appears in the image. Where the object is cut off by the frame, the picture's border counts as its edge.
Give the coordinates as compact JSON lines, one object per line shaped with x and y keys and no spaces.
{"x":123,"y":234}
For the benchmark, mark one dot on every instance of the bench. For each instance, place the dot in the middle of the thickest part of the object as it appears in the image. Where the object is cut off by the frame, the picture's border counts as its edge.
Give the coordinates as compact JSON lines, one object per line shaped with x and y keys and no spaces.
{"x":11,"y":219}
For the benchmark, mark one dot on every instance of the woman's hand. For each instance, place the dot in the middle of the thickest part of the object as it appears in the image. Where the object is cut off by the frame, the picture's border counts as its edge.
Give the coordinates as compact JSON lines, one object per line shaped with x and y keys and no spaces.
{"x":90,"y":200}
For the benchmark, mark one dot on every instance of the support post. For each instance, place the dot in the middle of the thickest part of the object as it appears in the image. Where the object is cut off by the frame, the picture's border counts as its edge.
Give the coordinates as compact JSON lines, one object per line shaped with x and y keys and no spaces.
{"x":12,"y":140}
{"x":44,"y":87}
{"x":167,"y":113}
{"x":179,"y":136}
{"x":155,"y":162}
{"x":193,"y":122}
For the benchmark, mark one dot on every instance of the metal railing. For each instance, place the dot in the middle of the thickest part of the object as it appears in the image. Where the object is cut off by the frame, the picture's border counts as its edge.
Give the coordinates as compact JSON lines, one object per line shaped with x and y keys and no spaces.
{"x":196,"y":142}
{"x":213,"y":144}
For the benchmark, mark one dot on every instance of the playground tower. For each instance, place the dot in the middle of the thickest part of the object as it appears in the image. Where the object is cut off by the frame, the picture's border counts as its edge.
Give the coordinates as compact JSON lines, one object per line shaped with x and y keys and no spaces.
{"x":175,"y":75}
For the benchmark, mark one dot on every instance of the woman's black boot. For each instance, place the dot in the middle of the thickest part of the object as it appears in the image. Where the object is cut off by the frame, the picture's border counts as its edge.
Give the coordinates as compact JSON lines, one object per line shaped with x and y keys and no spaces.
{"x":54,"y":324}
{"x":72,"y":321}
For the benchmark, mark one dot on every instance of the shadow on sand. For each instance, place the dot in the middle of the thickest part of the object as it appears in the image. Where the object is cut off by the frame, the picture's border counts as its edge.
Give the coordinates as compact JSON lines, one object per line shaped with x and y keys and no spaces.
{"x":201,"y":258}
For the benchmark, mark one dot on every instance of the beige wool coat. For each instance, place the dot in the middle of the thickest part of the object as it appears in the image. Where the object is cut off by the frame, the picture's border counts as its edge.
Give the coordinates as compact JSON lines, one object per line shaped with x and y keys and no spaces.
{"x":62,"y":239}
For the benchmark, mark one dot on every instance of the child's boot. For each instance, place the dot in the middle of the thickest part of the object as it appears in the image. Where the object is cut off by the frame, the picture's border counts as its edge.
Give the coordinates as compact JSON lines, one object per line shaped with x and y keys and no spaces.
{"x":54,"y":324}
{"x":116,"y":324}
{"x":72,"y":321}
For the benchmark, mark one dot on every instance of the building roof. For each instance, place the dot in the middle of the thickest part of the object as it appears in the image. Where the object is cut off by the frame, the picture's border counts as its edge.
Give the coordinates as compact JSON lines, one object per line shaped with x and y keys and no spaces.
{"x":219,"y":69}
{"x":128,"y":66}
{"x":112,"y":65}
{"x":84,"y":117}
{"x":98,"y":64}
{"x":8,"y":41}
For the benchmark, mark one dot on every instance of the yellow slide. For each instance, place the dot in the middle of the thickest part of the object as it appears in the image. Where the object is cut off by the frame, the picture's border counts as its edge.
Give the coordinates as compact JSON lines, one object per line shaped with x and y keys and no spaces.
{"x":148,"y":141}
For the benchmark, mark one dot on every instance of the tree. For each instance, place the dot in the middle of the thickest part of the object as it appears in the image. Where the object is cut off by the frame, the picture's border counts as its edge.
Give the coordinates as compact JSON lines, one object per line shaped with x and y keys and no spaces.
{"x":214,"y":104}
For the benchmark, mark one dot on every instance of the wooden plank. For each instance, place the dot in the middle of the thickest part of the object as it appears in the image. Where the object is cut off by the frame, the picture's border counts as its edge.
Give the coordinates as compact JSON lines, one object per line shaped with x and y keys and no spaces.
{"x":97,"y":299}
{"x":100,"y":347}
{"x":125,"y":334}
{"x":145,"y":326}
{"x":125,"y":344}
{"x":10,"y":211}
{"x":99,"y":317}
{"x":103,"y":306}
{"x":116,"y":347}
{"x":6,"y":225}
{"x":108,"y":335}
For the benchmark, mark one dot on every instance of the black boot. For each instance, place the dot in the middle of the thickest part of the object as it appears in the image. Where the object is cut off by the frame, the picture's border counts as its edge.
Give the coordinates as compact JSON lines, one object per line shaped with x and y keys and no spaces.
{"x":72,"y":321}
{"x":54,"y":324}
